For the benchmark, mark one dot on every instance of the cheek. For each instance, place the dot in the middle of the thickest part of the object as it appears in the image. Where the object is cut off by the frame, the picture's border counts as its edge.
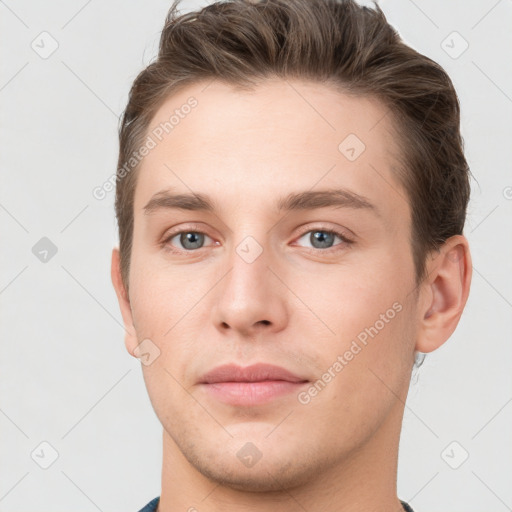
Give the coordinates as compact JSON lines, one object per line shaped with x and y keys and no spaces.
{"x":345,"y":300}
{"x":361,"y":314}
{"x":159,"y":297}
{"x":148,"y":302}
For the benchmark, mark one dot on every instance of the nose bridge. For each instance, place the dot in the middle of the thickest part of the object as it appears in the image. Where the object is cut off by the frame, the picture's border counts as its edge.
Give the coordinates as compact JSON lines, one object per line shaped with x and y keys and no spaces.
{"x":248,"y":282}
{"x":250,"y":297}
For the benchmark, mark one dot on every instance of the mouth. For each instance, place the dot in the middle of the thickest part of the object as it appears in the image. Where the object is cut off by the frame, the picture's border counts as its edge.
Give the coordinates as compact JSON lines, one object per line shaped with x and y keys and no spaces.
{"x":253,"y":385}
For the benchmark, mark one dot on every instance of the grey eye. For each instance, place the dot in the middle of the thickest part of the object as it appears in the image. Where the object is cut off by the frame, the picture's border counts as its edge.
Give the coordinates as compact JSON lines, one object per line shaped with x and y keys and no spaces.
{"x":319,"y":238}
{"x":190,"y":240}
{"x":322,"y":238}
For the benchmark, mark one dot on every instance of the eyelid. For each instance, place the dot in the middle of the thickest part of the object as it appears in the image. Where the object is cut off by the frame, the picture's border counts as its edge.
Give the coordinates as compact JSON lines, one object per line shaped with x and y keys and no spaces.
{"x":322,"y":227}
{"x":188,"y":228}
{"x":346,"y":240}
{"x":191,"y":226}
{"x":195,"y":228}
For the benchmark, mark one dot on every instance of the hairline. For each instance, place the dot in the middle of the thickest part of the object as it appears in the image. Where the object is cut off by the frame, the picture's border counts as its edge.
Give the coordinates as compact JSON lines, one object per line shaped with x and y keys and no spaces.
{"x":401,"y":170}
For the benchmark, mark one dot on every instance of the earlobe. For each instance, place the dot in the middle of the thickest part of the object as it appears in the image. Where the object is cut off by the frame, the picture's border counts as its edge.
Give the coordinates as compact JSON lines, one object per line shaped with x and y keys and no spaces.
{"x":446,"y":290}
{"x":124,"y":302}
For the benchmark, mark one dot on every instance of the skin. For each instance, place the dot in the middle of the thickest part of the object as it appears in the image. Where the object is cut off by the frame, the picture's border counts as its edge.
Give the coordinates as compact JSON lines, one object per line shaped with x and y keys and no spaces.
{"x":296,"y":305}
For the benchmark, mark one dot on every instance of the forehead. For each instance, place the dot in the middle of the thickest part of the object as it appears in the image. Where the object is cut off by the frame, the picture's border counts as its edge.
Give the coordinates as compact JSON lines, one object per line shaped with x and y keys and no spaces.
{"x":283,"y":136}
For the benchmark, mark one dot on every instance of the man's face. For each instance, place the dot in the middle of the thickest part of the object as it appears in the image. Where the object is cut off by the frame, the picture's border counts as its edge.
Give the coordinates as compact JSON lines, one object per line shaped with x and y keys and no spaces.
{"x":252,"y":283}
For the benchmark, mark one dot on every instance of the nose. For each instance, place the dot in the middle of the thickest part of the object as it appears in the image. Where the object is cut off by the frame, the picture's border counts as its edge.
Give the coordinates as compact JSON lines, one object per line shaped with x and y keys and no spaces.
{"x":250,"y":299}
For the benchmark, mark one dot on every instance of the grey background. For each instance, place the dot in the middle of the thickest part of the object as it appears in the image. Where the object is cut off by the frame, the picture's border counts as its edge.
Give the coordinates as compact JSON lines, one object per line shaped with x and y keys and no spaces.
{"x":66,"y":378}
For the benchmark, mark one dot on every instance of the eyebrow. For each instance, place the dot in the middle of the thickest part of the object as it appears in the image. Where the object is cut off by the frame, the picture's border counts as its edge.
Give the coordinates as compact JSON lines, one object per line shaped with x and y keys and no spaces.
{"x":307,"y":200}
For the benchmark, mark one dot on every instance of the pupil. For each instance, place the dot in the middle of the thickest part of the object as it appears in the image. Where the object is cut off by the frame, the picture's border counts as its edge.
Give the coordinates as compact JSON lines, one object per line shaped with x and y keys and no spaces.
{"x":324,"y":238}
{"x":191,"y":240}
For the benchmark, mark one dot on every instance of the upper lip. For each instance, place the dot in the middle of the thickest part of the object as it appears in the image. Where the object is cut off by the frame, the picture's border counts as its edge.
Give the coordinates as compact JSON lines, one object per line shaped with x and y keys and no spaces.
{"x":254,"y":373}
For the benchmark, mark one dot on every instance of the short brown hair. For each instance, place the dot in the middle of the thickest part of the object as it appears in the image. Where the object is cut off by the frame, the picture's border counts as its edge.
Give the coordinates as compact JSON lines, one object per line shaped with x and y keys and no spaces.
{"x":336,"y":42}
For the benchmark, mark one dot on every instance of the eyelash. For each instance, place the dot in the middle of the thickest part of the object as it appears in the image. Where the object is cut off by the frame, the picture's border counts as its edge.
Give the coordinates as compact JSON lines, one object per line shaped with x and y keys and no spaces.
{"x":346,"y":242}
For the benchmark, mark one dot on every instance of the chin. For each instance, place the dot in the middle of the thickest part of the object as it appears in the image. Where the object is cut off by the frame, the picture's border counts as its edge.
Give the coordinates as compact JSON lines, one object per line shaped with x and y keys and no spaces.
{"x":258,"y":480}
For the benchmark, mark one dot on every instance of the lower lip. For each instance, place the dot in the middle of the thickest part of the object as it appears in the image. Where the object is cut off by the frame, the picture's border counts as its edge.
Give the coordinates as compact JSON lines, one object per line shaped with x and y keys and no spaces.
{"x":252,"y":393}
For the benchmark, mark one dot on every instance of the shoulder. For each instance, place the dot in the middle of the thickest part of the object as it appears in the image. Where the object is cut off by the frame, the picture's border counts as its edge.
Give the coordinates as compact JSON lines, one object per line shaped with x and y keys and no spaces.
{"x":151,"y":506}
{"x":406,"y":506}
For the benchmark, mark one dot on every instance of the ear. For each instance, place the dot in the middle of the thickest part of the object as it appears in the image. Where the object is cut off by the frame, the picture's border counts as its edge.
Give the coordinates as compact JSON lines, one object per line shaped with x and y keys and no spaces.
{"x":445,"y":292}
{"x":130,"y":338}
